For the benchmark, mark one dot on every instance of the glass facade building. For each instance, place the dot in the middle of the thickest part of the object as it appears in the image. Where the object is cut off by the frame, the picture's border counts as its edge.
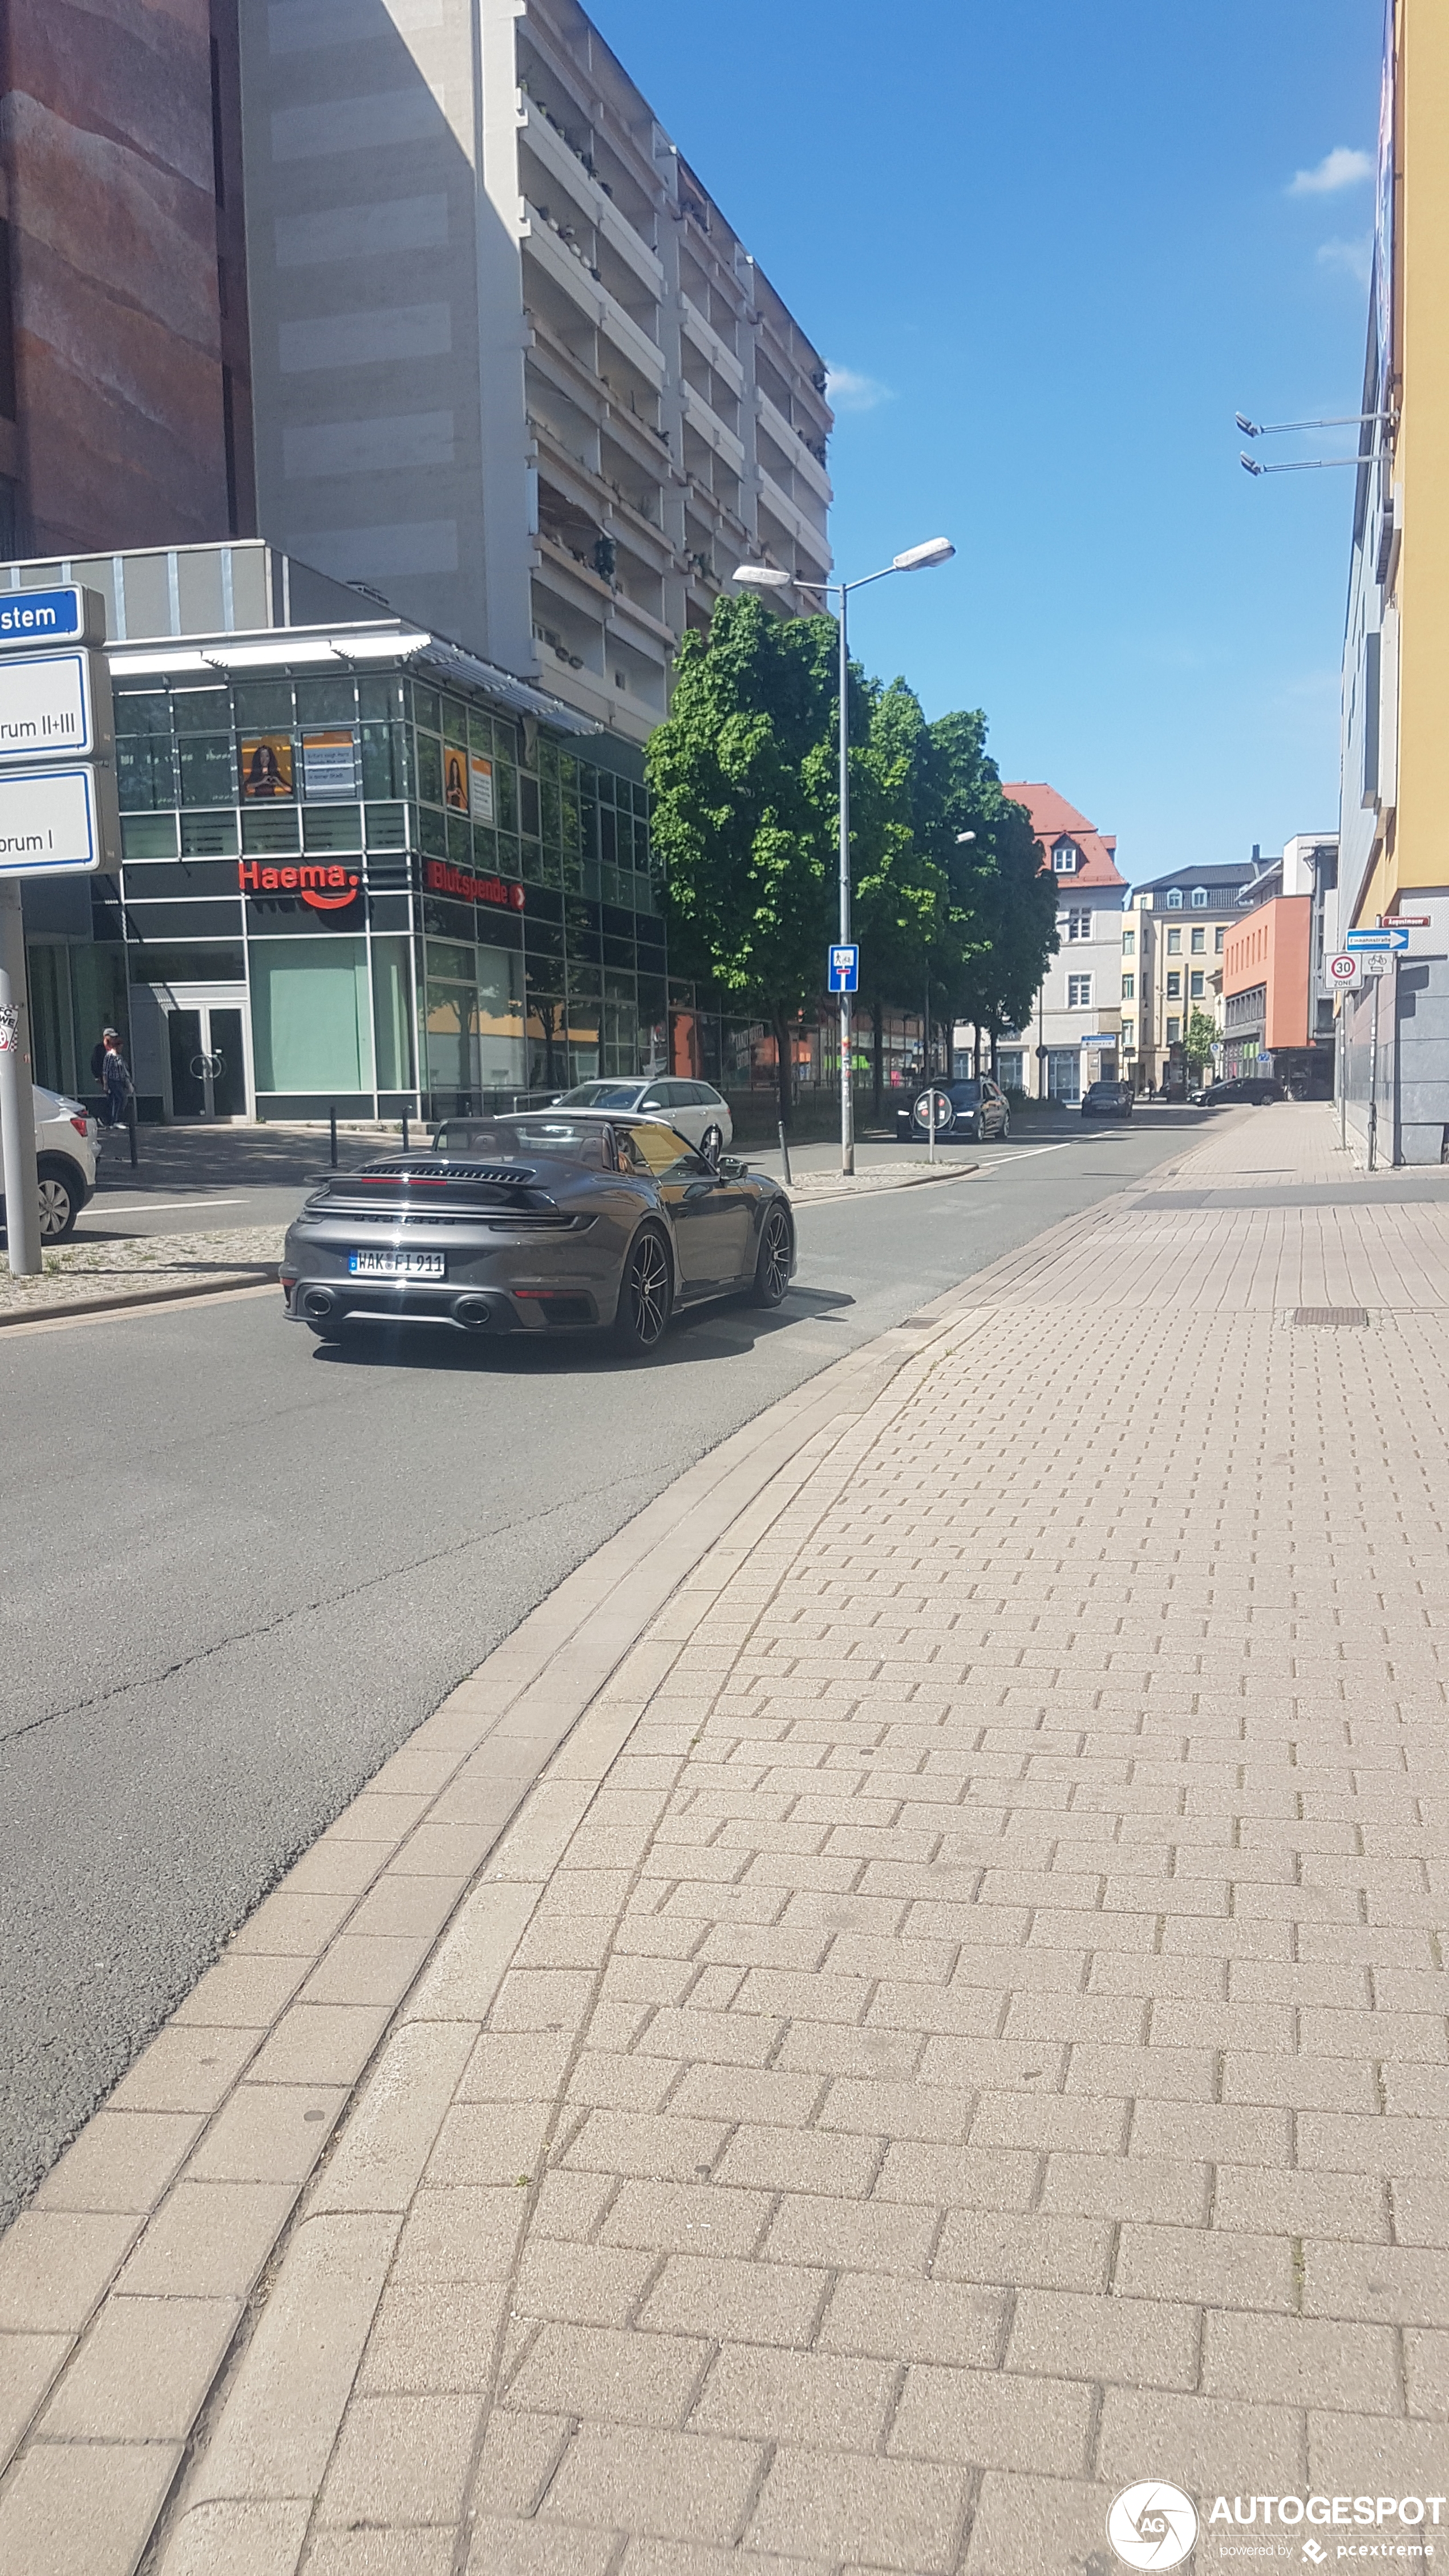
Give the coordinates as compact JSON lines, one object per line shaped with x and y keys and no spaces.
{"x":371,"y":887}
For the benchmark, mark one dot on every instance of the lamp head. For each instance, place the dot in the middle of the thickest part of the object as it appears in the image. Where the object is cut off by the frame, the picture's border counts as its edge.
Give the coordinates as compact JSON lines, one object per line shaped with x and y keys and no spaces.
{"x":761,"y":577}
{"x":963,"y":837}
{"x":1248,"y":427}
{"x":1250,"y":465}
{"x":936,"y":550}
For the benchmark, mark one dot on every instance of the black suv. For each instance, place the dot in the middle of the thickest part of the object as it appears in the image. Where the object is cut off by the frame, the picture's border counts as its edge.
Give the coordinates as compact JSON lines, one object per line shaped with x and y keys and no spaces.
{"x":964,"y":1111}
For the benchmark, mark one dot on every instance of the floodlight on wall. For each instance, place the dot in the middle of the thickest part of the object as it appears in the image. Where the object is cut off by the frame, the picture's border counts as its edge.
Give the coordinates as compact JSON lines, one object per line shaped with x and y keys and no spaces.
{"x":1278,"y":428}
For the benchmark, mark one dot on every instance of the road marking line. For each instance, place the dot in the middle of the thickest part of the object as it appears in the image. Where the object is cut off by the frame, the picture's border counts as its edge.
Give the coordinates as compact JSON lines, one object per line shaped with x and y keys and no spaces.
{"x":153,"y":1207}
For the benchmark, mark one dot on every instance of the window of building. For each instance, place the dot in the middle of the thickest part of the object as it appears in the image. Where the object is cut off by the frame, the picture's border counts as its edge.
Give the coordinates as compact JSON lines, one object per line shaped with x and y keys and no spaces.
{"x":1064,"y":1074}
{"x":1008,"y":1069}
{"x":1129,"y":1037}
{"x":1079,"y":992}
{"x":1065,"y":855}
{"x":1174,"y":943}
{"x":1199,"y":942}
{"x":1174,"y":988}
{"x":1129,"y":943}
{"x":1195,"y":988}
{"x":1219,"y":935}
{"x":1174,"y":898}
{"x":1174,"y":1031}
{"x":1079,"y":925}
{"x":1199,"y":898}
{"x":1129,"y":988}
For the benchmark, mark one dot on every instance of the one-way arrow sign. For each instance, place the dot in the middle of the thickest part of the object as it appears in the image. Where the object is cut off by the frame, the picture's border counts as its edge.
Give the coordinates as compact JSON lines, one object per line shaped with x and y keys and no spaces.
{"x":1393,"y":940}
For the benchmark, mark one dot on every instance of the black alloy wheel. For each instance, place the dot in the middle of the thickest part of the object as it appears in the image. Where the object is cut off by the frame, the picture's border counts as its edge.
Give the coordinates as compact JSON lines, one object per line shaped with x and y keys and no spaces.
{"x":772,"y":1268}
{"x":1005,"y":1129}
{"x":711,"y":1144}
{"x":646,"y":1294}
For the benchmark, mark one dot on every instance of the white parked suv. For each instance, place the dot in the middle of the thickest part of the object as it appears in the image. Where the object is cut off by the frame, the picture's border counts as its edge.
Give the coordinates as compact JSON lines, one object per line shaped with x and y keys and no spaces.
{"x":67,"y":1146}
{"x":694,"y":1109}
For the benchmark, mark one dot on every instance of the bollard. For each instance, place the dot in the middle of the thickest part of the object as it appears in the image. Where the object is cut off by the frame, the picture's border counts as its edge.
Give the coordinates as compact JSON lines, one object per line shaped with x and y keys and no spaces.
{"x":332,"y":1132}
{"x":405,"y":1131}
{"x":131,"y":1127}
{"x":785,"y":1156}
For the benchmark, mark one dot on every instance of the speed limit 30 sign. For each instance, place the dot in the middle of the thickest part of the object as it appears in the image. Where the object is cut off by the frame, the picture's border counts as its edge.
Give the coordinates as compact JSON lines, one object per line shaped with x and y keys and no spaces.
{"x":1345,"y":969}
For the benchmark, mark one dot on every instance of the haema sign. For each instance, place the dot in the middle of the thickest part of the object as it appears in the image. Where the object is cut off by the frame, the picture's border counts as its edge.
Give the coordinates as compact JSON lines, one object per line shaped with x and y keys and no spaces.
{"x":440,"y":878}
{"x":327,"y":885}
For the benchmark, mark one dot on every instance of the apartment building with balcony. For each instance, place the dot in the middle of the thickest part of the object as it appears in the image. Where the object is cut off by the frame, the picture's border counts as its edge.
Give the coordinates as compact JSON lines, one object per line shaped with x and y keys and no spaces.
{"x":513,"y":368}
{"x":1073,"y":1035}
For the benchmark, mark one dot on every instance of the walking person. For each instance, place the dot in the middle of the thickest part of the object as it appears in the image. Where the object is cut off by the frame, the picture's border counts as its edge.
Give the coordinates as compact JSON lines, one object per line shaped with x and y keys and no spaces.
{"x":107,"y":1038}
{"x":120,"y":1089}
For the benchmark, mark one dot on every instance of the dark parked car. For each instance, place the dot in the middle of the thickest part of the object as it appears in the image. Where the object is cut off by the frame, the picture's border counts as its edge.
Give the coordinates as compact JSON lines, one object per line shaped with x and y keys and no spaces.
{"x":1240,"y":1087}
{"x":552,"y":1221}
{"x":1107,"y":1100}
{"x":964,"y":1110}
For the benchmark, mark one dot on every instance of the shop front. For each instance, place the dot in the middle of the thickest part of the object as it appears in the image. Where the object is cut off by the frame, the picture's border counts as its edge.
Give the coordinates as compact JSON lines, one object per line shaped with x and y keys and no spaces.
{"x":370,"y":894}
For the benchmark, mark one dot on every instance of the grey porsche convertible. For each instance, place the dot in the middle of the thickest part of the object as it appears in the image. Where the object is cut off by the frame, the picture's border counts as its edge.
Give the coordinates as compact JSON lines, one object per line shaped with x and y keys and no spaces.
{"x":548,"y":1222}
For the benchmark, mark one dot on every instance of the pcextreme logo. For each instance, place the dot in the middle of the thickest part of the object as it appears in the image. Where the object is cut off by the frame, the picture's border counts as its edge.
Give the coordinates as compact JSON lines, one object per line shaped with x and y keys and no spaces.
{"x":327,"y":887}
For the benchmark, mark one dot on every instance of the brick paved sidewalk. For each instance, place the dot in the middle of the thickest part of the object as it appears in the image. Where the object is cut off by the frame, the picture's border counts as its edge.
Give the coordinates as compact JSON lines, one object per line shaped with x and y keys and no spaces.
{"x":984,"y":2043}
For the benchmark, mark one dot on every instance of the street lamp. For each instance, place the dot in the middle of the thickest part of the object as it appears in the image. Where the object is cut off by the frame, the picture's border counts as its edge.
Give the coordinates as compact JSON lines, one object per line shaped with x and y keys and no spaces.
{"x":936,"y":550}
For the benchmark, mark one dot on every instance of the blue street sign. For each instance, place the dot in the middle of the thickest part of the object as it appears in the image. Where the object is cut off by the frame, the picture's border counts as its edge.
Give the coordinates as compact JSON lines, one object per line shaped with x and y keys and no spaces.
{"x":845,"y":970}
{"x":43,"y":616}
{"x":1394,"y":940}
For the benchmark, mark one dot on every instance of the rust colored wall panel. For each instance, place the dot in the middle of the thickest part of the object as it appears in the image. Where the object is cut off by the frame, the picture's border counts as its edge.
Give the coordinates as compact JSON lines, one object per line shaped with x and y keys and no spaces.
{"x":106,"y":132}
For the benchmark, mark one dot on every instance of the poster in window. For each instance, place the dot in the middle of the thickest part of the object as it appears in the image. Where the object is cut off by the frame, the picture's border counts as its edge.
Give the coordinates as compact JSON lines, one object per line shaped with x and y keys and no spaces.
{"x":329,"y":764}
{"x":266,"y":767}
{"x":455,"y":780}
{"x":480,"y":788}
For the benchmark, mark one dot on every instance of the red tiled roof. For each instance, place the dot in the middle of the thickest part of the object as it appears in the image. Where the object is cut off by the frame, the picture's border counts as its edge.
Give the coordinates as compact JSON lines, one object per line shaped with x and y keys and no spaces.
{"x":1053,"y":819}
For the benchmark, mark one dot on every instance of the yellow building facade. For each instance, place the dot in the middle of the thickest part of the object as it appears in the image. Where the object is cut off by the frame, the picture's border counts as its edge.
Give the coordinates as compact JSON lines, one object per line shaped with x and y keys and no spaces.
{"x":1394,"y":855}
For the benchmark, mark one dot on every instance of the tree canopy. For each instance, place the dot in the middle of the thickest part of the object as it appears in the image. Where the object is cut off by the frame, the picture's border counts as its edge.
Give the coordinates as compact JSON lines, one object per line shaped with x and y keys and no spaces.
{"x":949,"y":895}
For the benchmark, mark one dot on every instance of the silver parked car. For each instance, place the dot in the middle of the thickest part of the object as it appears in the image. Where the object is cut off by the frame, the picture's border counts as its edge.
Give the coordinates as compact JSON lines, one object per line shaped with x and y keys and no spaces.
{"x":698,"y":1111}
{"x":551,"y":1221}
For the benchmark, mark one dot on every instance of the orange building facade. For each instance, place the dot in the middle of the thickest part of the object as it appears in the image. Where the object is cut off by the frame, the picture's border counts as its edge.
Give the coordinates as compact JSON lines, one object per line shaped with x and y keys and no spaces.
{"x":1266,"y":1012}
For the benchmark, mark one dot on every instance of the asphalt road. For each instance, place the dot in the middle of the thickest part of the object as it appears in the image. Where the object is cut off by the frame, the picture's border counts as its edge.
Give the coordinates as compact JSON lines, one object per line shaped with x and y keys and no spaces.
{"x":241,"y":1566}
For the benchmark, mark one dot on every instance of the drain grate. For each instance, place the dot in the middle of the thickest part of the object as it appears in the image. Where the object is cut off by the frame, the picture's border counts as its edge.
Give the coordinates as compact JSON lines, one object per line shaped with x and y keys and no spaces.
{"x":1330,"y":1315}
{"x":920,"y":1323}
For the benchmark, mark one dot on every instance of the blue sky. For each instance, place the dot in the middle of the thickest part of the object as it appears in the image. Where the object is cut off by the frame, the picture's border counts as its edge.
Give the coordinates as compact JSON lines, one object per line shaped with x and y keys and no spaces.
{"x":1060,"y":243}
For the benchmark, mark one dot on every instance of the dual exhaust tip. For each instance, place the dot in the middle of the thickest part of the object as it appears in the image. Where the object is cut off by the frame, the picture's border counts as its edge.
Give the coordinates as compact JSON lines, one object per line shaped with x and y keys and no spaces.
{"x":475,"y":1314}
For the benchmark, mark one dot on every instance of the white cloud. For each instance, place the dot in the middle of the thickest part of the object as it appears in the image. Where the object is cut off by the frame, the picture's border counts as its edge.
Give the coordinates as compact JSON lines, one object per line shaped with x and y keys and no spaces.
{"x":846,"y":390}
{"x":1340,"y":168}
{"x":1354,"y":258}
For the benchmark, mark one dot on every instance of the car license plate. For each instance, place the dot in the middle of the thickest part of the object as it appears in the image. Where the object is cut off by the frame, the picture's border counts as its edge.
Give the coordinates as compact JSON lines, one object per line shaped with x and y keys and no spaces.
{"x":397,"y":1265}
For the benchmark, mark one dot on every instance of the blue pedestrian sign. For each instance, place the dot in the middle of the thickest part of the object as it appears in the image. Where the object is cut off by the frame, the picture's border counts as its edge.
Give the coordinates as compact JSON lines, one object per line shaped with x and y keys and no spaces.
{"x":38,"y":617}
{"x":845,"y":970}
{"x":1389,"y":937}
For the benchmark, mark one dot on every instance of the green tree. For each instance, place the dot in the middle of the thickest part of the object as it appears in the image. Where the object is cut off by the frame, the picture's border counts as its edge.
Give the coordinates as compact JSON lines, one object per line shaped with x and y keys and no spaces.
{"x":900,"y":888}
{"x":743,"y":797}
{"x":1002,"y":909}
{"x":1198,"y":1039}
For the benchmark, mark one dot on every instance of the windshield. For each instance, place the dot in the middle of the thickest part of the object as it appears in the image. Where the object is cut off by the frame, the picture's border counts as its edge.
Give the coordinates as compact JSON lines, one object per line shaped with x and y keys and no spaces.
{"x":602,"y":1095}
{"x":515,"y":1140}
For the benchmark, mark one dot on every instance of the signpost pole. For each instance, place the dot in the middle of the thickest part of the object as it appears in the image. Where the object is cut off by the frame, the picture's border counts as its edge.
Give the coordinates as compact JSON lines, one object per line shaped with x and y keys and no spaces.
{"x":1373,"y":1109}
{"x":847,"y":1093}
{"x":17,"y":1105}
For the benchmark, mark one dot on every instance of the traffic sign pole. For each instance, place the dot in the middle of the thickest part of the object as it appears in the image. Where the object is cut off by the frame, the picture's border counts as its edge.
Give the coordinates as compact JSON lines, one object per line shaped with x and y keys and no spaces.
{"x":17,"y":1100}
